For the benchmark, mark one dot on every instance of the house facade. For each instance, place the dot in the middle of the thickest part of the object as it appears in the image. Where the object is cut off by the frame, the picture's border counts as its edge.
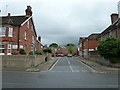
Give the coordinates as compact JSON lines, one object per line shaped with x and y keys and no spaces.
{"x":17,"y":32}
{"x":88,"y":45}
{"x":113,"y":30}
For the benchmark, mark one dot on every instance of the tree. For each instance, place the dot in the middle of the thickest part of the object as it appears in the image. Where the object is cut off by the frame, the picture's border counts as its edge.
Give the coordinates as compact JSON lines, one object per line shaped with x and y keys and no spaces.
{"x":70,"y":45}
{"x":53,"y":45}
{"x":47,"y":50}
{"x":70,"y":48}
{"x":110,"y":49}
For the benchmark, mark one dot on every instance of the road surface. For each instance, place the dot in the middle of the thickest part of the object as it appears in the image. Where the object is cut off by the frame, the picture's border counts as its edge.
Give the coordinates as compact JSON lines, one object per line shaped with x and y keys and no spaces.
{"x":67,"y":72}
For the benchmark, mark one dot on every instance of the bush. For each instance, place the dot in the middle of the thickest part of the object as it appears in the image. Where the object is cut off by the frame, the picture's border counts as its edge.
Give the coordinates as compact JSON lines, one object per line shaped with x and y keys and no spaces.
{"x":110,"y":49}
{"x":22,"y":52}
{"x":36,"y":53}
{"x":47,"y":50}
{"x":15,"y":52}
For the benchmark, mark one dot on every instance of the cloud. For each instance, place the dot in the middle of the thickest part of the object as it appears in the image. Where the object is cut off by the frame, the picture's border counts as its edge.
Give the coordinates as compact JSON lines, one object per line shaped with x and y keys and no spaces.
{"x":65,"y":21}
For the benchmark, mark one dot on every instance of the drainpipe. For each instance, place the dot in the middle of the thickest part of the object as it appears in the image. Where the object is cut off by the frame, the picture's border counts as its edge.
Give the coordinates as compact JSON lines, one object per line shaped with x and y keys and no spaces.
{"x":18,"y":37}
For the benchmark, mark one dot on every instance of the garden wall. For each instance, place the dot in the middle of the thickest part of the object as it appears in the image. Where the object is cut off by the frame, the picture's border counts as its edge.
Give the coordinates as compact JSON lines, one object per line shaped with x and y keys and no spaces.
{"x":23,"y":61}
{"x":101,"y":60}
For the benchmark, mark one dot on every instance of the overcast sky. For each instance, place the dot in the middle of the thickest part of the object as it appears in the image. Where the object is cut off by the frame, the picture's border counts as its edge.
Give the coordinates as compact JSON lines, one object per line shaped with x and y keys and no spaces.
{"x":64,"y":21}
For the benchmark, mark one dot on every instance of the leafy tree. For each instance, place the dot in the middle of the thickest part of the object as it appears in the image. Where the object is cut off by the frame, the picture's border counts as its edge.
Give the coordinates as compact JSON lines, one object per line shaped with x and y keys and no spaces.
{"x":70,"y":45}
{"x":70,"y":48}
{"x":110,"y":49}
{"x":53,"y":45}
{"x":47,"y":50}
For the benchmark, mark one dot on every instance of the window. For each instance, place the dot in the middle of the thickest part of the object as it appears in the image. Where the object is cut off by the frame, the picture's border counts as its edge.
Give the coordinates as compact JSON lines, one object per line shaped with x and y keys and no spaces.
{"x":2,"y":49}
{"x":2,"y":31}
{"x":10,"y":32}
{"x":25,"y":35}
{"x":14,"y":46}
{"x":110,"y":34}
{"x":28,"y":24}
{"x":32,"y":39}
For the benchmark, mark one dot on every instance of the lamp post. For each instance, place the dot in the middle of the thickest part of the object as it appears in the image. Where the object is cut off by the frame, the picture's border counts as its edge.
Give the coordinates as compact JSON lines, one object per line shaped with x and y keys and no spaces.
{"x":33,"y":54}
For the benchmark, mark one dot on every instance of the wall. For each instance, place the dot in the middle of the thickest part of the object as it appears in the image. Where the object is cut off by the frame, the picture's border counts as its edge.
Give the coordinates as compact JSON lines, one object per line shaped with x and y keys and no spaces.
{"x":103,"y":61}
{"x":23,"y":61}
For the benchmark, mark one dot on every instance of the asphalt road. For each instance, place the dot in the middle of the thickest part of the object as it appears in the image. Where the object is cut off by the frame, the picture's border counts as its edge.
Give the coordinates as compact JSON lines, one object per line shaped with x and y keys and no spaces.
{"x":66,"y":73}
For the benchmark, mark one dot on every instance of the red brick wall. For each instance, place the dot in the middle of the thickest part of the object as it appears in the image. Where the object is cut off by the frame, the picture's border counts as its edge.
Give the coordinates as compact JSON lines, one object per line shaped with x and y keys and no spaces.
{"x":14,"y":40}
{"x":28,"y":41}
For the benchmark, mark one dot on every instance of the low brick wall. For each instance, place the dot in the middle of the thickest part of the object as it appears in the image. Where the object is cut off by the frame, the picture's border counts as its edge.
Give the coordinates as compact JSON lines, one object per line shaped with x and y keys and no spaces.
{"x":23,"y":61}
{"x":103,"y":61}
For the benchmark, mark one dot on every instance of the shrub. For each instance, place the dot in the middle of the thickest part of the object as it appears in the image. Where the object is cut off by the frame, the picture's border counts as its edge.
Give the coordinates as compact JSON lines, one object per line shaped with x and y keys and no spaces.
{"x":36,"y":53}
{"x":15,"y":52}
{"x":47,"y":50}
{"x":22,"y":52}
{"x":110,"y":49}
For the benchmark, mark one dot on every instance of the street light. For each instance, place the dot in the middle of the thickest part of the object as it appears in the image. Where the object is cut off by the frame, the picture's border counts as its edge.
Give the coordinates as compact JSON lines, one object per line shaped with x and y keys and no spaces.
{"x":33,"y":54}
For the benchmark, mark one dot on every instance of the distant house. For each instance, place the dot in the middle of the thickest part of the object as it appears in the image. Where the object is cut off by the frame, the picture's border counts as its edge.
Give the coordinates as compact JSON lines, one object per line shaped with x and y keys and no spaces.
{"x":113,"y":30}
{"x":88,"y":45}
{"x":17,"y":32}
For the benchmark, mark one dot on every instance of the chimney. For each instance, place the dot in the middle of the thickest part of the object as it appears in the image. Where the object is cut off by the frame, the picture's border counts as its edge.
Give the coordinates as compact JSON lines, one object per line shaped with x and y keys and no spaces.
{"x":39,"y":38}
{"x":114,"y":17}
{"x":28,"y":11}
{"x":8,"y":14}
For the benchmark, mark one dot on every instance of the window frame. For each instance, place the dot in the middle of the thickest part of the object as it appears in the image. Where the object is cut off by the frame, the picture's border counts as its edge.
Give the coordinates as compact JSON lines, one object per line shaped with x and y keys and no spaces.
{"x":10,"y":34}
{"x":1,"y":29}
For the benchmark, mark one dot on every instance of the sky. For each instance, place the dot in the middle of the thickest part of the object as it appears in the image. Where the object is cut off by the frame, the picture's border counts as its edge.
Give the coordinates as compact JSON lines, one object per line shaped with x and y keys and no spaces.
{"x":64,"y":21}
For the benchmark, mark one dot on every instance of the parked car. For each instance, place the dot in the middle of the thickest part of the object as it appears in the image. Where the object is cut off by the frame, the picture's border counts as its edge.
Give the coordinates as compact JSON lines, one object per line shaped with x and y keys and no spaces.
{"x":69,"y":55}
{"x":60,"y":55}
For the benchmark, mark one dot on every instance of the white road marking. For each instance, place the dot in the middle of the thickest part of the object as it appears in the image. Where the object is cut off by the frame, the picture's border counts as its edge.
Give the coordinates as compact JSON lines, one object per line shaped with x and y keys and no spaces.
{"x":70,"y":65}
{"x":54,"y":65}
{"x":88,"y":67}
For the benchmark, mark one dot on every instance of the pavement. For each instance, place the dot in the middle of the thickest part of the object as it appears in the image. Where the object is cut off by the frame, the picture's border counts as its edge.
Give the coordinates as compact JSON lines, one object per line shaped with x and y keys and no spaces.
{"x":41,"y":67}
{"x":99,"y":68}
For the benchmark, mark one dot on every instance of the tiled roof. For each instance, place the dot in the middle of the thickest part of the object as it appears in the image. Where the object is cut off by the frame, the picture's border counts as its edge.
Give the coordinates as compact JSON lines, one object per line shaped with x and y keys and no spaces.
{"x":13,"y":20}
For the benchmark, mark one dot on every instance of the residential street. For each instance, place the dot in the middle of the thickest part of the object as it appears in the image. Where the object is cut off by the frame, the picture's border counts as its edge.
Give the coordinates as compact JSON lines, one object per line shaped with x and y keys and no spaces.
{"x":67,"y":72}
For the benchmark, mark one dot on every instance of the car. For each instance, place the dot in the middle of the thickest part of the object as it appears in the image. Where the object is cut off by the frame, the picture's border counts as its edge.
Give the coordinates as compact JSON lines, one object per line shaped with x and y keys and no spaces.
{"x":69,"y":55}
{"x":60,"y":55}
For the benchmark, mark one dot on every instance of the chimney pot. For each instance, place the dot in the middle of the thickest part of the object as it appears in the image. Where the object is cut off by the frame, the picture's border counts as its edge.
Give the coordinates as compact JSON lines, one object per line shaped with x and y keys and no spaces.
{"x":8,"y":14}
{"x":28,"y":11}
{"x":114,"y":17}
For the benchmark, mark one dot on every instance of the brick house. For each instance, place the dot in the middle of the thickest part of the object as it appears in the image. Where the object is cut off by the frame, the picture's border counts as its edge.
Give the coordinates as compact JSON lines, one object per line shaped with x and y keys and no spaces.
{"x":113,"y":30}
{"x":88,"y":45}
{"x":17,"y":32}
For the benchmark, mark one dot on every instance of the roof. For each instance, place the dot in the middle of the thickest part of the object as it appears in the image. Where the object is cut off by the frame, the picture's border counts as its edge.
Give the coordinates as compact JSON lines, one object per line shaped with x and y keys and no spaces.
{"x":13,"y":20}
{"x":112,"y":27}
{"x":93,"y":36}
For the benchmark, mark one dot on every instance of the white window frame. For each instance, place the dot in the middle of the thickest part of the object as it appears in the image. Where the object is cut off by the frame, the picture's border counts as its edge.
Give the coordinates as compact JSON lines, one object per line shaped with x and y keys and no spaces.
{"x":2,"y":48}
{"x":28,"y":24}
{"x":10,"y":34}
{"x":25,"y":35}
{"x":1,"y":29}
